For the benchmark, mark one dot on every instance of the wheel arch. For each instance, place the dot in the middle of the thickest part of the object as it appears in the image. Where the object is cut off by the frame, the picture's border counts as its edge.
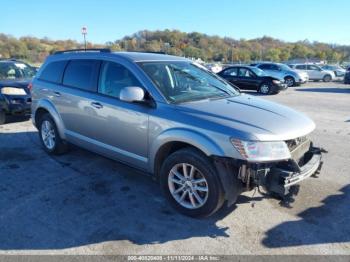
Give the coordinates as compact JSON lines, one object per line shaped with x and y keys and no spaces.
{"x":175,"y":139}
{"x":290,"y":76}
{"x":45,"y":106}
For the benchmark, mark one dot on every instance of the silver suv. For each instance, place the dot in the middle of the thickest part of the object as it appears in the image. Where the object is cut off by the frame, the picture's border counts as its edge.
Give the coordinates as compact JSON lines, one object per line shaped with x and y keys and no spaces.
{"x":315,"y":72}
{"x":282,"y":71}
{"x":202,"y":139}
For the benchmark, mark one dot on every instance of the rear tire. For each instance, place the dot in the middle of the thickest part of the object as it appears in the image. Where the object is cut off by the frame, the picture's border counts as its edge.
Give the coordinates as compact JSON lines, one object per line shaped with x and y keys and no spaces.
{"x":49,"y":136}
{"x":327,"y":78}
{"x":2,"y":117}
{"x":188,"y":195}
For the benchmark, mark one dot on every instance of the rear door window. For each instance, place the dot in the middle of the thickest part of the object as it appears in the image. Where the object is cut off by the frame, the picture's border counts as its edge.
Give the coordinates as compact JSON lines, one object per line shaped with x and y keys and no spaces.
{"x":244,"y":72}
{"x":300,"y":67}
{"x":231,"y":71}
{"x":312,"y":67}
{"x":82,"y":74}
{"x":53,"y":72}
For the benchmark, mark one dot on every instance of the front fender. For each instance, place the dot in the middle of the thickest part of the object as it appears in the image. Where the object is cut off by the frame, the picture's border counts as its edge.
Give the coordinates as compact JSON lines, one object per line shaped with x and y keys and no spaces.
{"x":196,"y":139}
{"x":49,"y":106}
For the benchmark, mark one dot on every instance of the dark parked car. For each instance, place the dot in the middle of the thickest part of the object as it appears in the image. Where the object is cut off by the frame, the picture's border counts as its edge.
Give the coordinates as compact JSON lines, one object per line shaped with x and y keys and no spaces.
{"x":252,"y":78}
{"x":347,"y":76}
{"x":15,"y":98}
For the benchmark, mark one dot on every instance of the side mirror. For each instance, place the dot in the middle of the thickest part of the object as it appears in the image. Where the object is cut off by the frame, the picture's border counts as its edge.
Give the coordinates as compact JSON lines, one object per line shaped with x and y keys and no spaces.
{"x":132,"y":94}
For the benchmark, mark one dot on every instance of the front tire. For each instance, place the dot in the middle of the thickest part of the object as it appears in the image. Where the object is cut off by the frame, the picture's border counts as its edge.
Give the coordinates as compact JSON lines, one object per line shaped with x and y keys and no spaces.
{"x":290,"y":81}
{"x":49,"y":136}
{"x":265,"y":89}
{"x":190,"y":183}
{"x":327,"y":78}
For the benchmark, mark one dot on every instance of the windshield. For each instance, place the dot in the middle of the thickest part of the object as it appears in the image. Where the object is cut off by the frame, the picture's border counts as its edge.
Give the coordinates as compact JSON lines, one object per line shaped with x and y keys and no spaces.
{"x":284,"y":67}
{"x":184,"y":81}
{"x":331,"y":67}
{"x":258,"y":71}
{"x":15,"y":71}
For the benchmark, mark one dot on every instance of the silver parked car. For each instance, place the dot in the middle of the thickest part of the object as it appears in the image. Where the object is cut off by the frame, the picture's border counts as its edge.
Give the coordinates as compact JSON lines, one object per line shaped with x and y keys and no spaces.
{"x":337,"y":69}
{"x":282,"y":71}
{"x":315,"y":72}
{"x":202,"y":139}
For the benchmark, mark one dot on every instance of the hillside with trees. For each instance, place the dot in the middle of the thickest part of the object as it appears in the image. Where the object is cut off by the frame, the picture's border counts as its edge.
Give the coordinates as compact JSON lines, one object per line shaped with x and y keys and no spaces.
{"x":196,"y":45}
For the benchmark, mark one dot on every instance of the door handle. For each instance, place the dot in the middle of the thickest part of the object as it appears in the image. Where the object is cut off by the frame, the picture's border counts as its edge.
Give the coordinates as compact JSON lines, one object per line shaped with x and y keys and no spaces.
{"x":57,"y":93}
{"x":96,"y":105}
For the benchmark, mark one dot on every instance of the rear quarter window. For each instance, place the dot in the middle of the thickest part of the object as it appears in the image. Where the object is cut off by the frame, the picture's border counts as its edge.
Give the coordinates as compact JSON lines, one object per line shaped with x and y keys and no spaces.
{"x":53,"y":72}
{"x":82,"y":74}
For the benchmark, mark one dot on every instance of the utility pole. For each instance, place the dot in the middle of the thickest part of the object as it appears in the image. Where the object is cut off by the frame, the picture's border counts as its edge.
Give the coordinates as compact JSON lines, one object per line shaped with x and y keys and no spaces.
{"x":233,"y":46}
{"x":84,"y":33}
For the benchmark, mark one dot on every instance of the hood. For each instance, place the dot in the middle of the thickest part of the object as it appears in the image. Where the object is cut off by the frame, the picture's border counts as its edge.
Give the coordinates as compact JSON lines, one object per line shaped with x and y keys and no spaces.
{"x":23,"y":83}
{"x":250,"y":117}
{"x":268,"y":77}
{"x":300,"y":73}
{"x":329,"y":72}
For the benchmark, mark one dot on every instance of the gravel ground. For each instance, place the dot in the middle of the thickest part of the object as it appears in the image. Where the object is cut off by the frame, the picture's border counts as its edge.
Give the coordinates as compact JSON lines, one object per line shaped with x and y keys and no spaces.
{"x":81,"y":203}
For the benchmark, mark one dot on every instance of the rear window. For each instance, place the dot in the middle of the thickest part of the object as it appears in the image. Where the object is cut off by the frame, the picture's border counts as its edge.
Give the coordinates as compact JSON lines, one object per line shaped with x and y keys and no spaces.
{"x":53,"y":71}
{"x":82,"y":74}
{"x":302,"y":67}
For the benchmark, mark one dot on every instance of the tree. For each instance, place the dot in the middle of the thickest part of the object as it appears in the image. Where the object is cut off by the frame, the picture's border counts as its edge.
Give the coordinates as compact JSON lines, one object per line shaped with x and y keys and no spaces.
{"x":273,"y":54}
{"x":195,"y":44}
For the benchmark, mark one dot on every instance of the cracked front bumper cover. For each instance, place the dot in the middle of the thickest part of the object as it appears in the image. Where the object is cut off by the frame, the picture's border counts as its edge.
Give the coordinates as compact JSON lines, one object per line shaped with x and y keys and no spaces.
{"x":280,"y":179}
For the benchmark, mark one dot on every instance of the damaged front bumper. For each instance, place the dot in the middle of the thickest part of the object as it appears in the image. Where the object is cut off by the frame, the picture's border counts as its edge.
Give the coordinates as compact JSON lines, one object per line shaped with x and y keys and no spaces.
{"x":282,"y":176}
{"x":277,"y":177}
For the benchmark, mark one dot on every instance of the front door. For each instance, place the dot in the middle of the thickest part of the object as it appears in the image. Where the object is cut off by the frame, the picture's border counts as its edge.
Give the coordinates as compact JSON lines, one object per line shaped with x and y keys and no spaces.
{"x":314,"y":72}
{"x":121,"y":127}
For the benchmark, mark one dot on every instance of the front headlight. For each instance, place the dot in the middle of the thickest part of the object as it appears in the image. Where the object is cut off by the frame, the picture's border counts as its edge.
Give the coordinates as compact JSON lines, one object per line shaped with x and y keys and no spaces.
{"x":262,"y":151}
{"x":277,"y":82}
{"x":12,"y":91}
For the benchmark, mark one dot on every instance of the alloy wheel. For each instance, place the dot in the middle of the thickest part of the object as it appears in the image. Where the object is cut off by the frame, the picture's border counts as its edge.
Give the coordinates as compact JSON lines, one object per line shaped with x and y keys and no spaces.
{"x":188,"y":186}
{"x":289,"y":82}
{"x":265,"y":89}
{"x":48,"y":134}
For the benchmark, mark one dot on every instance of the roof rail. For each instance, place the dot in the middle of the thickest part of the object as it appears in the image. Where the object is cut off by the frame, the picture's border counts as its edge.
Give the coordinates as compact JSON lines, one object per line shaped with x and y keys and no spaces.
{"x":102,"y":50}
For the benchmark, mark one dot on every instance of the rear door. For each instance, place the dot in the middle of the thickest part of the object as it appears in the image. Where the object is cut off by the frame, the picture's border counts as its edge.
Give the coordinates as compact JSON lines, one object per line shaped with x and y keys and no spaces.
{"x":231,"y":75}
{"x":73,"y":98}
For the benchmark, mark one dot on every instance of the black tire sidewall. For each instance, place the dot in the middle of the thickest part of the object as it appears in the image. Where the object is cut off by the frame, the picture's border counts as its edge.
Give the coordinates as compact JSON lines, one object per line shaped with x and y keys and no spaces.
{"x":291,"y":78}
{"x":327,"y":78}
{"x":204,"y":165}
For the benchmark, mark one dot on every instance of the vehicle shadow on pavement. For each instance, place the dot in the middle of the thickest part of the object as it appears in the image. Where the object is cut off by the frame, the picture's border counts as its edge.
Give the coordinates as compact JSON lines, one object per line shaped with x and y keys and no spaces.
{"x":325,"y":90}
{"x":328,"y":223}
{"x":81,"y":198}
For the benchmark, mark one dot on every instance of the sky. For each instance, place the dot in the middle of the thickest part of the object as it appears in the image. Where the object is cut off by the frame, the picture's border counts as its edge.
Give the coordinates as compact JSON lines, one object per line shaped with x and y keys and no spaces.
{"x":109,"y":20}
